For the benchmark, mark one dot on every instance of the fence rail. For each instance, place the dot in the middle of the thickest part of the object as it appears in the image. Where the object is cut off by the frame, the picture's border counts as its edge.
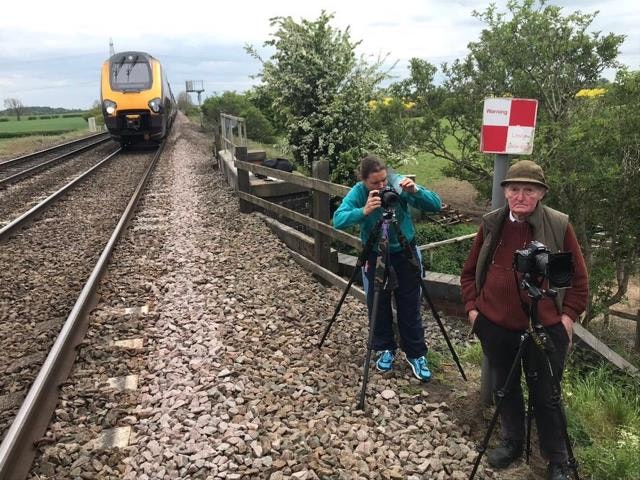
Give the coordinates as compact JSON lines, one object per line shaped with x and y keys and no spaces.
{"x":319,"y":222}
{"x":311,"y":183}
{"x":316,"y":185}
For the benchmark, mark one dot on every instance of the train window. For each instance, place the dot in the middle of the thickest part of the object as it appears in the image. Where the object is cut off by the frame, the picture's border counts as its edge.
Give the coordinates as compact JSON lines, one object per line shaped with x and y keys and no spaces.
{"x":130,"y":74}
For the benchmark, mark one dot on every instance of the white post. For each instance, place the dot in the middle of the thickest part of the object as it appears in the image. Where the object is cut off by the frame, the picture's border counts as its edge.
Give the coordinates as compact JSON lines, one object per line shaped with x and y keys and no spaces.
{"x":92,"y":124}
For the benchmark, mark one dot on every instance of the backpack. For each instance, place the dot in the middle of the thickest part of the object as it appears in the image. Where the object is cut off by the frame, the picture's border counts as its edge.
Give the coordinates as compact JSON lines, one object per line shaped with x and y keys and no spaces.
{"x":279,"y":164}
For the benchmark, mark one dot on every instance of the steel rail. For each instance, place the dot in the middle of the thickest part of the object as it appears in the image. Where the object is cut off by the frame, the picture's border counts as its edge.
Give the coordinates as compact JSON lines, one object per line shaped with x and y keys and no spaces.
{"x":51,"y":149}
{"x":18,"y":447}
{"x":10,"y":227}
{"x":40,"y":166}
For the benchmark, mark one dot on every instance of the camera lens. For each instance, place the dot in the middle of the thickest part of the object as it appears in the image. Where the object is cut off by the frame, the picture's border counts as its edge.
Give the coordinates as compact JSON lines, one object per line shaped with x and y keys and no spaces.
{"x":389,"y":198}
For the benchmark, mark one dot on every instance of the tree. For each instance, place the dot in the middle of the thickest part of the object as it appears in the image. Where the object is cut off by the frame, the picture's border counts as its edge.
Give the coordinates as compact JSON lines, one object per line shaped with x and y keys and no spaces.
{"x":539,"y":52}
{"x":320,"y":92}
{"x":238,"y":104}
{"x":536,"y":53}
{"x":15,"y":105}
{"x":184,"y":103}
{"x":600,"y":158}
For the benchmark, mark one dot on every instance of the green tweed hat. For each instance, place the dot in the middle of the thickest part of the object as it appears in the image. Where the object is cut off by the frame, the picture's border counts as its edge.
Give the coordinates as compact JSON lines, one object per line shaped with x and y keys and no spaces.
{"x":525,"y":171}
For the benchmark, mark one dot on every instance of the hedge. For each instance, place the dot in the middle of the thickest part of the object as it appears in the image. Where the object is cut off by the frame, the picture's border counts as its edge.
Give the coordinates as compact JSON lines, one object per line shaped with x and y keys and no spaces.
{"x":28,"y":134}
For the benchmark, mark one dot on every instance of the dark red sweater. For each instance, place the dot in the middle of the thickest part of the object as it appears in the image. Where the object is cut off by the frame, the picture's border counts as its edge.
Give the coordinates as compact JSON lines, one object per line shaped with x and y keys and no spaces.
{"x":499,"y":299}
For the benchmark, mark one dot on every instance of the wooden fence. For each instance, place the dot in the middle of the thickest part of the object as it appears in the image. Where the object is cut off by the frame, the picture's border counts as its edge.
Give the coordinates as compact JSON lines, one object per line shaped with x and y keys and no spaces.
{"x":633,"y":318}
{"x":446,"y":290}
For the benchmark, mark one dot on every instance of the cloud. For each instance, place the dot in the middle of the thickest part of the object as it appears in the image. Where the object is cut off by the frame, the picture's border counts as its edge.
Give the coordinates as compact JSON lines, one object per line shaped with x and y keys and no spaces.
{"x":51,"y":55}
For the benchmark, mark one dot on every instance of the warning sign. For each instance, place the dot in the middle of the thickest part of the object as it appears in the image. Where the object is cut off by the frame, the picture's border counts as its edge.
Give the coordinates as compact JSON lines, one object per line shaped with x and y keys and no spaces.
{"x":508,"y":125}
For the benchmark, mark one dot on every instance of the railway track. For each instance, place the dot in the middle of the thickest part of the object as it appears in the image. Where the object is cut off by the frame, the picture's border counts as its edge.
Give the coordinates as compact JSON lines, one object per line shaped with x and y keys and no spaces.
{"x":16,"y":169}
{"x":20,"y":196}
{"x":45,"y":264}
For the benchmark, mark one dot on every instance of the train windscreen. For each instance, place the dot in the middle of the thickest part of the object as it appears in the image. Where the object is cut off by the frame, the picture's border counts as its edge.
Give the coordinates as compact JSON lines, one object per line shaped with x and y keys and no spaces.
{"x":130,"y":73}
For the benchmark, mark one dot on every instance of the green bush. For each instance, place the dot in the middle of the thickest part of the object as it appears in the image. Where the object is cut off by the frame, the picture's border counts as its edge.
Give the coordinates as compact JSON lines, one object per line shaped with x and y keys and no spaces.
{"x":5,"y":119}
{"x":447,"y":258}
{"x":95,"y":112}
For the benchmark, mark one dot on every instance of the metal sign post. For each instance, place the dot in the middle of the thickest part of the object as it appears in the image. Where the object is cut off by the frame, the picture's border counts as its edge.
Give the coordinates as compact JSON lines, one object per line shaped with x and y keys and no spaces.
{"x":197,"y":87}
{"x":500,"y":167}
{"x":508,"y":126}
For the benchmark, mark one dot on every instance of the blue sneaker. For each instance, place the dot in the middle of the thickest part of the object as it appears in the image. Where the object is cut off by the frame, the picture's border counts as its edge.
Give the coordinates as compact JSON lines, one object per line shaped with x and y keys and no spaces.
{"x":385,"y":360}
{"x":420,"y":368}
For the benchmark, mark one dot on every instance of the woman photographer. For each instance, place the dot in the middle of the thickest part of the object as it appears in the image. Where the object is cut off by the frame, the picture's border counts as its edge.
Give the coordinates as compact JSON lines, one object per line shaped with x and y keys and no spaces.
{"x":494,"y":304}
{"x":362,"y":206}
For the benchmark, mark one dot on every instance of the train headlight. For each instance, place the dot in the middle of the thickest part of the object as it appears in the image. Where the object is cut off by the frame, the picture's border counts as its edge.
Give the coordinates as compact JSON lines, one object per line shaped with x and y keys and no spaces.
{"x":155,"y":105}
{"x":109,"y":106}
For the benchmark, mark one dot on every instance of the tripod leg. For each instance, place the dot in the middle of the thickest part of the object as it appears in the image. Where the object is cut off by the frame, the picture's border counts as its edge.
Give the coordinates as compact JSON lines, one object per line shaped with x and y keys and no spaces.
{"x":532,"y":377}
{"x":500,"y":394}
{"x":338,"y":306}
{"x":380,"y":282}
{"x":557,"y":402}
{"x":373,"y":239}
{"x":367,"y":357}
{"x":529,"y":418}
{"x":425,"y":294}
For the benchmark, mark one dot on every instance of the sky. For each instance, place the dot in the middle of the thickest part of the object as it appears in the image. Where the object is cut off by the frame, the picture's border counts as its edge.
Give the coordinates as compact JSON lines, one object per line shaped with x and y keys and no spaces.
{"x":51,"y":52}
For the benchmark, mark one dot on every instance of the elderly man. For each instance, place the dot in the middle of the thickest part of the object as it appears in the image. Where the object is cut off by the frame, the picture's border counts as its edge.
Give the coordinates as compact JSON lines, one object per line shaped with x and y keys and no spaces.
{"x":494,"y":305}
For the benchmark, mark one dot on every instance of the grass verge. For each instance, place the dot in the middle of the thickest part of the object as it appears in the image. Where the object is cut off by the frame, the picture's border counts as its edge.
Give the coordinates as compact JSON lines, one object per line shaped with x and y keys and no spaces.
{"x":603,"y":415}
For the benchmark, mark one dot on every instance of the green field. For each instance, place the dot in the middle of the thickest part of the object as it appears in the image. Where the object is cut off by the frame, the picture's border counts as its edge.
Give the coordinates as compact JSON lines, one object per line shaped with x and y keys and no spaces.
{"x":40,"y":126}
{"x":426,"y":168}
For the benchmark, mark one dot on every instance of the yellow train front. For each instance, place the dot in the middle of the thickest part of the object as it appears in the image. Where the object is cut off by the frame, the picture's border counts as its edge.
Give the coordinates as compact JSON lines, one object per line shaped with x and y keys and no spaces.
{"x":137,"y":102}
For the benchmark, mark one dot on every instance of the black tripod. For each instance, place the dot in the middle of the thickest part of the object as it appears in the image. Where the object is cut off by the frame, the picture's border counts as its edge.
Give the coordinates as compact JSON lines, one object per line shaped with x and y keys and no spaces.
{"x":385,"y":280}
{"x":542,"y":345}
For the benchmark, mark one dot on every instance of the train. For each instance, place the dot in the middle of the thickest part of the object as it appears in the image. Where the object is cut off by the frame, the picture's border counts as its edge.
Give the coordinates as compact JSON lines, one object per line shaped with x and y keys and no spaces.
{"x":138,"y":105}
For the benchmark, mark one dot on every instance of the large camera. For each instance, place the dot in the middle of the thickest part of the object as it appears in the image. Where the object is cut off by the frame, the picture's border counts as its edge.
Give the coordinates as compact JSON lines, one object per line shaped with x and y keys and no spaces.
{"x":389,"y":198}
{"x":538,"y":260}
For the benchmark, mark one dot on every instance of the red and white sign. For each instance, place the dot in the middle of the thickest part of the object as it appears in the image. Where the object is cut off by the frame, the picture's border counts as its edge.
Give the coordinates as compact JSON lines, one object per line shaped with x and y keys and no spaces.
{"x":508,"y":125}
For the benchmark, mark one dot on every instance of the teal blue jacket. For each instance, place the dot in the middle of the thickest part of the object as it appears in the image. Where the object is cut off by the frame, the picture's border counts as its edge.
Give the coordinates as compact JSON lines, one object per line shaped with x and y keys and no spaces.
{"x":351,"y":212}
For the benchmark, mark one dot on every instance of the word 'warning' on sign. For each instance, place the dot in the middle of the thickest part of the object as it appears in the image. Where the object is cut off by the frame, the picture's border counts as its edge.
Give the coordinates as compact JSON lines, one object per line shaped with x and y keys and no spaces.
{"x":508,"y":125}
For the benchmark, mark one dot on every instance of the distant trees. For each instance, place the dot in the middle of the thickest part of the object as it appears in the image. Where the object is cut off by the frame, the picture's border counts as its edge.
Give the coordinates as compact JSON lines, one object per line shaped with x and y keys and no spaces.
{"x":15,"y":105}
{"x":96,"y":112}
{"x":185,"y":104}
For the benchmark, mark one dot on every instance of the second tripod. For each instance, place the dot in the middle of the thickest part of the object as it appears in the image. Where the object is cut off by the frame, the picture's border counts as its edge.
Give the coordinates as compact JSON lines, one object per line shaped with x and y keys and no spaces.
{"x":533,"y":351}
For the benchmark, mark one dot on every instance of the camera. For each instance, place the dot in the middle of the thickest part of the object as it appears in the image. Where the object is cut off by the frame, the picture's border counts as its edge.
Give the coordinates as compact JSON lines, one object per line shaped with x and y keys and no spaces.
{"x":537,"y":259}
{"x":389,"y":198}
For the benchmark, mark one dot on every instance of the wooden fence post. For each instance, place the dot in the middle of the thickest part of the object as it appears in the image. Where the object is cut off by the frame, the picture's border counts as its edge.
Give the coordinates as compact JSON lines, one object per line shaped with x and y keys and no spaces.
{"x":637,"y":343}
{"x":321,"y":212}
{"x":217,"y":146}
{"x":243,"y":180}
